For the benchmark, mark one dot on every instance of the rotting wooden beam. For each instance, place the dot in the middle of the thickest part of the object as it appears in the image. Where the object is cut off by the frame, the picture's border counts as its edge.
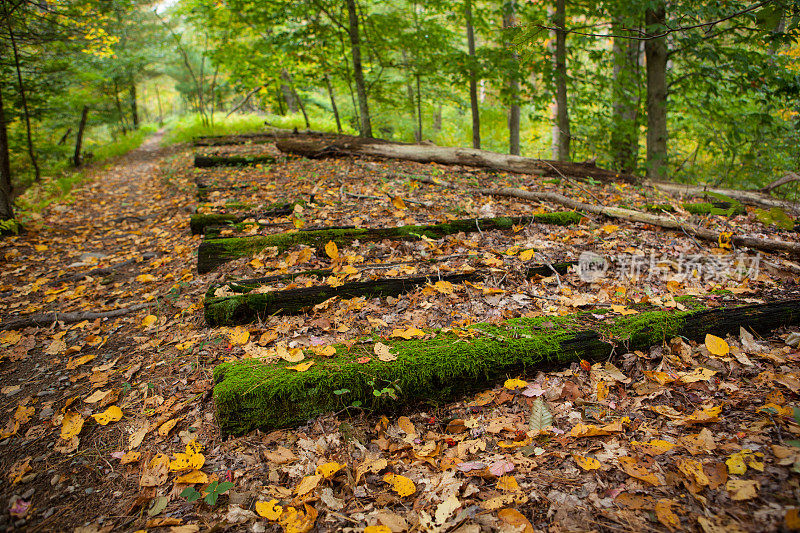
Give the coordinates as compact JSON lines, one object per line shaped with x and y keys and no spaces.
{"x":215,"y":252}
{"x":258,"y":393}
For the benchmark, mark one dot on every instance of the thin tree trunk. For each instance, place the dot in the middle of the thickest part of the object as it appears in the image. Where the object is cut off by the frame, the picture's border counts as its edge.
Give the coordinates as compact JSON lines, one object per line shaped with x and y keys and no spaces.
{"x":76,"y":158}
{"x":656,"y":55}
{"x":121,"y":112}
{"x":134,"y":108}
{"x":554,"y":131}
{"x":6,"y":189}
{"x":287,"y":91}
{"x":280,"y":98}
{"x":358,"y":70}
{"x":437,"y":118}
{"x":473,"y":78}
{"x":31,"y":151}
{"x":412,"y":101}
{"x":419,"y":104}
{"x":160,"y":111}
{"x":625,"y":109}
{"x":561,"y":80}
{"x":509,"y":14}
{"x":333,"y":103}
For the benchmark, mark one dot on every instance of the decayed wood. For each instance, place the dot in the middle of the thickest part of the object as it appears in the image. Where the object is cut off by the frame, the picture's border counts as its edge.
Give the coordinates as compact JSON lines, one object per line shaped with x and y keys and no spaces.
{"x":252,"y":393}
{"x":769,"y":245}
{"x":215,"y":252}
{"x":45,"y":319}
{"x":755,"y":198}
{"x":262,"y":137}
{"x":102,"y":271}
{"x":249,"y":307}
{"x":344,"y":145}
{"x":210,"y":161}
{"x":198,"y":223}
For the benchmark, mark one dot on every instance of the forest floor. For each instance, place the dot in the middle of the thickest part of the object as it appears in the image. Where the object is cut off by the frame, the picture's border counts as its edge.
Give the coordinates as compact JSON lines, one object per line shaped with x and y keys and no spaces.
{"x":104,"y":415}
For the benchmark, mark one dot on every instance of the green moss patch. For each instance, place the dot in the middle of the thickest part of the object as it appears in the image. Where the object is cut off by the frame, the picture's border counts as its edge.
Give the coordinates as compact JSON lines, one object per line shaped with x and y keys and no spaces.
{"x":214,"y":252}
{"x":207,"y":161}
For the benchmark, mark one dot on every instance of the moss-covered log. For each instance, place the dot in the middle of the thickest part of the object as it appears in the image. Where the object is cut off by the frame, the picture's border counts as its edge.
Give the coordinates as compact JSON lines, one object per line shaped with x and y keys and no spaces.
{"x":210,"y":161}
{"x":200,"y":221}
{"x":701,"y":208}
{"x":215,"y":252}
{"x":246,"y":306}
{"x":254,"y":393}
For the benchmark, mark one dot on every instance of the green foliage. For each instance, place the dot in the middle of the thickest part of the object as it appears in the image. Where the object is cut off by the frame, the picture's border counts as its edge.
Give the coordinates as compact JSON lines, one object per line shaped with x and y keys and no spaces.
{"x":776,"y":216}
{"x":213,"y":491}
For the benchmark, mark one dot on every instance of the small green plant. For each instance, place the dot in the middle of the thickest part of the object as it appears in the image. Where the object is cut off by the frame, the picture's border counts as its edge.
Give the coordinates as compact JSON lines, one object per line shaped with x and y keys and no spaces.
{"x":212,"y":493}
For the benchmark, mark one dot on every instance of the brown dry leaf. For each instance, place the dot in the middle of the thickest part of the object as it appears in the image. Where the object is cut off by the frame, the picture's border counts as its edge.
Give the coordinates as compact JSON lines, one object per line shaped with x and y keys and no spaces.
{"x":742,"y":489}
{"x":708,"y":415}
{"x":307,"y":484}
{"x":383,"y":352}
{"x":370,"y":465}
{"x":280,"y":456}
{"x":406,"y":425}
{"x":138,"y":434}
{"x":19,"y":469}
{"x":516,"y":520}
{"x":634,"y":468}
{"x":156,"y":472}
{"x":694,"y":471}
{"x":700,"y":443}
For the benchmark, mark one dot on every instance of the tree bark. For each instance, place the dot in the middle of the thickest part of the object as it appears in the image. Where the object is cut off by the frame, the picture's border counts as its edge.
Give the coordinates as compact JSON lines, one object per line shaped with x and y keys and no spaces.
{"x":6,"y":189}
{"x":76,"y":157}
{"x":473,"y":78}
{"x":134,"y":107}
{"x":412,"y":102}
{"x":560,"y":21}
{"x":509,"y":15}
{"x":656,"y":55}
{"x":23,"y":97}
{"x":358,"y":70}
{"x":625,"y":109}
{"x":334,"y":107}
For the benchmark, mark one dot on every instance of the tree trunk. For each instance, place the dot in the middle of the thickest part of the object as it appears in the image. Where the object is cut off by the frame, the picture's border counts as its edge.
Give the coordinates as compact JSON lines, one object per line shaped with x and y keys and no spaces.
{"x":358,"y":71}
{"x":160,"y":111}
{"x":333,"y":103}
{"x":418,"y":77}
{"x":280,"y":99}
{"x":26,"y":112}
{"x":288,"y":94}
{"x":656,"y":55}
{"x":134,"y":108}
{"x":6,"y":189}
{"x":76,"y":158}
{"x":302,"y":107}
{"x":509,"y":15}
{"x":473,"y":78}
{"x":560,"y":22}
{"x":412,"y":101}
{"x":625,"y":109}
{"x":437,"y":118}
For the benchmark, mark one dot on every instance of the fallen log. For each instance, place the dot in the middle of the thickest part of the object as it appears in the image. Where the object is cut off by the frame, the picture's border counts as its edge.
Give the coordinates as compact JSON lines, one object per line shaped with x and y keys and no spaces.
{"x":210,"y":161}
{"x":746,"y":197}
{"x":788,"y":178}
{"x":769,"y":245}
{"x":215,"y":252}
{"x":200,"y":221}
{"x":345,"y":145}
{"x":102,"y":271}
{"x":46,"y":319}
{"x":701,"y":208}
{"x":249,"y":306}
{"x":268,"y":394}
{"x":261,"y":137}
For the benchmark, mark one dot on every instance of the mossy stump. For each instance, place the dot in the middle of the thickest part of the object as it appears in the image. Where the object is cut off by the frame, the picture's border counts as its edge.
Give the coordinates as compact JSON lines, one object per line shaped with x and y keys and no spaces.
{"x":252,"y":393}
{"x":211,"y":161}
{"x":247,"y":307}
{"x":215,"y":252}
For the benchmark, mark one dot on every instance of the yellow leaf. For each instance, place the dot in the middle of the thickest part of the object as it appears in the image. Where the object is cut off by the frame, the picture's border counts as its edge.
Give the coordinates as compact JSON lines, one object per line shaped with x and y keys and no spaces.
{"x":40,"y":247}
{"x":112,"y":414}
{"x":624,"y":311}
{"x":507,"y":484}
{"x":513,"y":384}
{"x":269,"y":510}
{"x":324,"y":351}
{"x":698,"y":374}
{"x":329,"y":469}
{"x":149,"y":320}
{"x":23,"y":413}
{"x":302,"y":367}
{"x":402,"y":485}
{"x":166,"y":427}
{"x":609,"y":228}
{"x":72,"y":364}
{"x":239,"y":335}
{"x":527,"y":255}
{"x":10,"y":337}
{"x":383,"y":352}
{"x":705,"y":416}
{"x":602,"y":390}
{"x":717,"y":346}
{"x":290,"y":355}
{"x":406,"y":425}
{"x":332,"y":251}
{"x":145,"y":278}
{"x":443,"y":287}
{"x":195,"y":476}
{"x":632,"y":467}
{"x":299,"y":223}
{"x":307,"y":484}
{"x":742,"y":489}
{"x":408,"y":333}
{"x":130,"y":457}
{"x":724,"y":240}
{"x":71,"y":425}
{"x":666,"y":516}
{"x":293,"y":521}
{"x":693,"y":470}
{"x":587,"y":463}
{"x":399,"y":204}
{"x":377,"y":529}
{"x":516,"y":520}
{"x":654,"y":447}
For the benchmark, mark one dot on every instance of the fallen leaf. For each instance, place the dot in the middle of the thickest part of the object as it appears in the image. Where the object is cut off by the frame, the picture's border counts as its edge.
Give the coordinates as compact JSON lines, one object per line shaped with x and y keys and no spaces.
{"x":269,"y":510}
{"x":383,"y":352}
{"x":402,"y":485}
{"x":666,"y":516}
{"x":587,"y":463}
{"x":516,"y":520}
{"x":112,"y":414}
{"x":239,"y":336}
{"x":328,"y":470}
{"x":71,"y":425}
{"x":307,"y":484}
{"x":717,"y":346}
{"x":742,"y":489}
{"x":634,"y":468}
{"x":408,"y":333}
{"x":332,"y":251}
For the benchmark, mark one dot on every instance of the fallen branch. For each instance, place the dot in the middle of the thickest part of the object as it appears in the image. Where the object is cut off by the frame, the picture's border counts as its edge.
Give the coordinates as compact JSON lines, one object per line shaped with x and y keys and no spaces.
{"x":746,"y":197}
{"x":265,"y":393}
{"x":769,"y":245}
{"x":244,"y":101}
{"x":210,"y":161}
{"x":788,"y":178}
{"x":45,"y":319}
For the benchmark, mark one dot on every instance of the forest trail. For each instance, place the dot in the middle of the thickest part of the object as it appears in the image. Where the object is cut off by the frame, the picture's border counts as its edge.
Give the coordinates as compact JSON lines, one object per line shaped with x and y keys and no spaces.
{"x":104,"y":416}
